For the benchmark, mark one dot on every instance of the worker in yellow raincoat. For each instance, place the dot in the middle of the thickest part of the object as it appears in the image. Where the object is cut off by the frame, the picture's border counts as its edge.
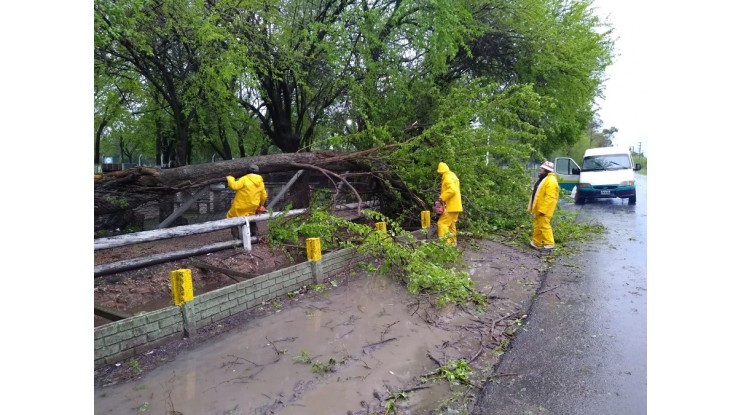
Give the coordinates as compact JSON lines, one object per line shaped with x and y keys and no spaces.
{"x":450,"y":195}
{"x":250,"y":196}
{"x":542,"y":203}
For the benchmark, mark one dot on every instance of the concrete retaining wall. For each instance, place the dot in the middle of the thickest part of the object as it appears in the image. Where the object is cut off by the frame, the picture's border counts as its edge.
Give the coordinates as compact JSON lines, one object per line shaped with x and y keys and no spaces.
{"x":123,"y":339}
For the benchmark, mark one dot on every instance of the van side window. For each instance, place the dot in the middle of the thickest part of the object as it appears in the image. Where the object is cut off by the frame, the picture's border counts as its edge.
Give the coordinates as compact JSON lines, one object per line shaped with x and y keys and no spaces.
{"x":564,"y":166}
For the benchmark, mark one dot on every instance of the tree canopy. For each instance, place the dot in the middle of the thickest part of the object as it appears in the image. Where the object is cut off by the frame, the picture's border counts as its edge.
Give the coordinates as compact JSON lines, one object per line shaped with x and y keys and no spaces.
{"x":485,"y":86}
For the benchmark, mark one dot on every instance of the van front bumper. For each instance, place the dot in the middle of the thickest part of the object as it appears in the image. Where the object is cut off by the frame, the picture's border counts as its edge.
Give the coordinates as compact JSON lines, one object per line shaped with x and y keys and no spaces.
{"x":607,"y":191}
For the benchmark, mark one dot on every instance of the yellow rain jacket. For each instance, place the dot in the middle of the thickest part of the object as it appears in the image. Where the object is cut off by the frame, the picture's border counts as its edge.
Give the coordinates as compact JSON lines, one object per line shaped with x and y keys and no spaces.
{"x":250,"y":194}
{"x":450,"y":190}
{"x":545,"y":199}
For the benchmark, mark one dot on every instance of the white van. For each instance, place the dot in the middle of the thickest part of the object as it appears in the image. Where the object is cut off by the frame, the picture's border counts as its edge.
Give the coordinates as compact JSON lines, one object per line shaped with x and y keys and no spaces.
{"x":607,"y":172}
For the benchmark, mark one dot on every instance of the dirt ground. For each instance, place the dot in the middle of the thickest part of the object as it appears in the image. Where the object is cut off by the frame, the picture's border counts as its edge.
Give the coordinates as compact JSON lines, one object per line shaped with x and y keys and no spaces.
{"x":148,"y":288}
{"x":509,"y":277}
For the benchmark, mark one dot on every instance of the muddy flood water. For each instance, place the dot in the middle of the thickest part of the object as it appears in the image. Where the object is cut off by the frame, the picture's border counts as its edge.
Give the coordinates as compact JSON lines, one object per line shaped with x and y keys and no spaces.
{"x":349,"y":349}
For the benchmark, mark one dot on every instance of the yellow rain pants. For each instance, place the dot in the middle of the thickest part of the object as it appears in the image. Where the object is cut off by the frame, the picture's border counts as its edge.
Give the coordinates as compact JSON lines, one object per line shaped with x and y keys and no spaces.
{"x":450,"y":195}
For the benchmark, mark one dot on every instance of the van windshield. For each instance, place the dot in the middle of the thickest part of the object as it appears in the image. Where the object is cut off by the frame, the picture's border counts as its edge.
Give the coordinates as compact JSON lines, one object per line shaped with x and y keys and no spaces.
{"x":607,"y":162}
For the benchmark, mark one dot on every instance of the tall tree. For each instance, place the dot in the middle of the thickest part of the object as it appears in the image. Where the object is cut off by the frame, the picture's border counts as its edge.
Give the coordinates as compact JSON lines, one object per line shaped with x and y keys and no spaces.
{"x":108,"y":106}
{"x":314,"y":61}
{"x":158,"y":39}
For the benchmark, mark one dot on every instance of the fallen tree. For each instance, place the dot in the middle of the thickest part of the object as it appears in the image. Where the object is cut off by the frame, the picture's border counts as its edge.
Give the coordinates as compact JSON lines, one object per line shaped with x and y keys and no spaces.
{"x":118,"y":194}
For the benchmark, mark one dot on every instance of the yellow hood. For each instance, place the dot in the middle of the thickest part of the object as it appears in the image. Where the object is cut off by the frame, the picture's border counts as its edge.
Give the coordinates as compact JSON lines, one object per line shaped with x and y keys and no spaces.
{"x":442,"y":168}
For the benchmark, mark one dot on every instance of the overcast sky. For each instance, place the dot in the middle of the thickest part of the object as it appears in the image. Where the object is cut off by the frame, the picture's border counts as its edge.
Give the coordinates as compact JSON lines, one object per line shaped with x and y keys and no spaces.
{"x":623,"y":103}
{"x":675,"y":68}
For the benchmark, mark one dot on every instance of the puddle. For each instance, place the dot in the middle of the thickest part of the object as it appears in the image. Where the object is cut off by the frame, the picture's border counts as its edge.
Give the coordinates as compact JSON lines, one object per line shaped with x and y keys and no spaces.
{"x":338,"y":352}
{"x":362,"y":333}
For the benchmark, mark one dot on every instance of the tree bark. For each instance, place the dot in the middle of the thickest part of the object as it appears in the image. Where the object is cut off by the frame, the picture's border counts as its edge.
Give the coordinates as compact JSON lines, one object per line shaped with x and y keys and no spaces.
{"x":164,"y":181}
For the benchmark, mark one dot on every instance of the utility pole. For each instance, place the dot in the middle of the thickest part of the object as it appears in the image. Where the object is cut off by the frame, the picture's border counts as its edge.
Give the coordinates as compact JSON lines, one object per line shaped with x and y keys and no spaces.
{"x":639,"y":149}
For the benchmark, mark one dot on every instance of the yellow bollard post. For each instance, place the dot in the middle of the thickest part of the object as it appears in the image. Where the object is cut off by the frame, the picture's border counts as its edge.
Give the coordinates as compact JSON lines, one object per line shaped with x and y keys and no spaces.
{"x":380,"y":226}
{"x":425,"y":219}
{"x":182,"y":286}
{"x":313,"y":249}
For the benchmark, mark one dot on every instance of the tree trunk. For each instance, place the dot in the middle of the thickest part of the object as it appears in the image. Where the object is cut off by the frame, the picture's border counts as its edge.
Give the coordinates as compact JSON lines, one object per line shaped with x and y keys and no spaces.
{"x":121,"y":191}
{"x":98,"y":135}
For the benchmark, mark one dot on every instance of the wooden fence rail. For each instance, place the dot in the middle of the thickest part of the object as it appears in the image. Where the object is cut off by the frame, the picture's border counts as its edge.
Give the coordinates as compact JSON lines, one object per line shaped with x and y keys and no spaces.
{"x":186,"y":230}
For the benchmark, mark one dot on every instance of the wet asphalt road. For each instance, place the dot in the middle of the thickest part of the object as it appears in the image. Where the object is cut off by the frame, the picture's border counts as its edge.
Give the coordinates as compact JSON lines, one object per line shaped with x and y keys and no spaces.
{"x":583,"y":349}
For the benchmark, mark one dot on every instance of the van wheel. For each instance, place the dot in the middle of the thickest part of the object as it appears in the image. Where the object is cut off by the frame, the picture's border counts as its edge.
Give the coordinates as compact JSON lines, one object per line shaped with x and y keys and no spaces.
{"x":633,"y":200}
{"x":579,"y":199}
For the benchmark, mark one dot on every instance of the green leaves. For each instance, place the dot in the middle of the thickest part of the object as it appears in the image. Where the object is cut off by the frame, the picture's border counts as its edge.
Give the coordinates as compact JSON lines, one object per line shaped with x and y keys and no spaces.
{"x":431,"y":267}
{"x":456,"y":372}
{"x":329,"y":54}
